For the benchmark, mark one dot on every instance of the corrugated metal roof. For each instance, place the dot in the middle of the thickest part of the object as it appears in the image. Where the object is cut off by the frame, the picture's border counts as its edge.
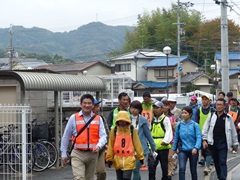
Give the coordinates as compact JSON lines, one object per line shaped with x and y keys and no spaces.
{"x":55,"y":82}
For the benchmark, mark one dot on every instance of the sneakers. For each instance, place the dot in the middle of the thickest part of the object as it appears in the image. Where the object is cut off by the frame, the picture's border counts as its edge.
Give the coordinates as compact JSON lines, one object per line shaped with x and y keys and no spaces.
{"x":234,"y":152}
{"x":143,"y":168}
{"x":201,"y":162}
{"x":206,"y":171}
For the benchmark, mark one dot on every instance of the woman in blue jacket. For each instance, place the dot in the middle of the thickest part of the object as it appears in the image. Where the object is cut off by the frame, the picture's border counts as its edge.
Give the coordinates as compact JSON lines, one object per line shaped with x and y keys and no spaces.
{"x":187,"y":140}
{"x":141,"y":124}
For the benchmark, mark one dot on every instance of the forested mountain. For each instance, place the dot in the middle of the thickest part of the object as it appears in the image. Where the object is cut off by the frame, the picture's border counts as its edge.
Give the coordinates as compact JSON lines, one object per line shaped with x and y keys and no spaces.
{"x":90,"y":42}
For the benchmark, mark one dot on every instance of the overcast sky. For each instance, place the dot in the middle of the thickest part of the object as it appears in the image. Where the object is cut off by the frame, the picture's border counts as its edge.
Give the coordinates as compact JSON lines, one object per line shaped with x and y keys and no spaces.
{"x":66,"y":15}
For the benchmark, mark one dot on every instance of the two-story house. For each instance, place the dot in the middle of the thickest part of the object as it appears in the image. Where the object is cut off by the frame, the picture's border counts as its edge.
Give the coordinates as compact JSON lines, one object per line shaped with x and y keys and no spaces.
{"x":234,"y":67}
{"x":131,"y":63}
{"x":157,"y":70}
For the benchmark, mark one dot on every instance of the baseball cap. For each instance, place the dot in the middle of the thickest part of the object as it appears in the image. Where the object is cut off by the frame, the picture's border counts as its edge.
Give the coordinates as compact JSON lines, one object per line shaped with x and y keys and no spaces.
{"x":158,"y":104}
{"x":96,"y":102}
{"x":206,"y":96}
{"x":172,"y":99}
{"x":194,"y":97}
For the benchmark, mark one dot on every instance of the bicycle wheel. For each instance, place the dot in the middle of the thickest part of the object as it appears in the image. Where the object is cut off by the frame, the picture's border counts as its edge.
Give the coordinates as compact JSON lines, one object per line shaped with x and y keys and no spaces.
{"x":52,"y":151}
{"x":41,"y":155}
{"x":15,"y":158}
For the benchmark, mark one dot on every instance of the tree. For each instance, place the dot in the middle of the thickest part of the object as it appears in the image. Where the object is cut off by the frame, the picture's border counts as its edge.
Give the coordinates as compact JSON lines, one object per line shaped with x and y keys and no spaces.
{"x":190,"y":87}
{"x":157,"y":29}
{"x":207,"y":40}
{"x":200,"y":39}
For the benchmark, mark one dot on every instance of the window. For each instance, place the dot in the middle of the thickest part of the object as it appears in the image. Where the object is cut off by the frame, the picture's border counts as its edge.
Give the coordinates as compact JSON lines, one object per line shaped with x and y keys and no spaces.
{"x":122,"y":67}
{"x":162,"y":73}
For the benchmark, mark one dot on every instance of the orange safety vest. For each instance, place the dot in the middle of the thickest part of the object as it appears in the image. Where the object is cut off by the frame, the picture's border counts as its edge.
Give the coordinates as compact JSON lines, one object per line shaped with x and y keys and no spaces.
{"x":148,"y":114}
{"x":233,"y":114}
{"x":123,"y":145}
{"x":90,"y":136}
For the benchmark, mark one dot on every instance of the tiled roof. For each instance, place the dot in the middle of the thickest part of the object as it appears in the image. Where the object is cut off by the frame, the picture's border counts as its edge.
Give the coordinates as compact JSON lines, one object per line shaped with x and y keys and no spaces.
{"x":69,"y":66}
{"x":232,"y":56}
{"x":191,"y":76}
{"x":153,"y":84}
{"x":161,"y":61}
{"x":233,"y":71}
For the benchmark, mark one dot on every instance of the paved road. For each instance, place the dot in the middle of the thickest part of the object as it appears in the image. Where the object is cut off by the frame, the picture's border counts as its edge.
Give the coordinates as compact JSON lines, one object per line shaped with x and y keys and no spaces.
{"x":66,"y":174}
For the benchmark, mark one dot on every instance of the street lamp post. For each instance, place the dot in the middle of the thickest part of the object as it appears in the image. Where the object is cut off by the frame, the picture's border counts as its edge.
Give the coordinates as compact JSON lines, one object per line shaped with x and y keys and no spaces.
{"x":167,"y":51}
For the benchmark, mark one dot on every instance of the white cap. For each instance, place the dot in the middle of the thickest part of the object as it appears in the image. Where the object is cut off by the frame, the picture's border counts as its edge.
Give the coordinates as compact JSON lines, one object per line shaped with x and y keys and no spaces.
{"x":172,"y":98}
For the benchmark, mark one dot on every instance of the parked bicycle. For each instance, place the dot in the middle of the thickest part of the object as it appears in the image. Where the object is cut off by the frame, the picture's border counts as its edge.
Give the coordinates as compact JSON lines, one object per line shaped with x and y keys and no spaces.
{"x":44,"y":134}
{"x":11,"y":151}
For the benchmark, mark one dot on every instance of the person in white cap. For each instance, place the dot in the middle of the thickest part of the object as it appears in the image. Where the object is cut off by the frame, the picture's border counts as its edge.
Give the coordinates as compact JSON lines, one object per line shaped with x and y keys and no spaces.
{"x":174,"y":110}
{"x":161,"y":131}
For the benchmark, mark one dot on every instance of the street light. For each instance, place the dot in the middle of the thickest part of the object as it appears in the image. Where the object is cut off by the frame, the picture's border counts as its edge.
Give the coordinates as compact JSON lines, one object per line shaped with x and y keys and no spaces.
{"x":167,"y":51}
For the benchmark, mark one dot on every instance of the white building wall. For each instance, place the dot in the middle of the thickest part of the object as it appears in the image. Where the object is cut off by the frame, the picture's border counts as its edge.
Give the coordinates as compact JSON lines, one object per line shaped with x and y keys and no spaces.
{"x":135,"y":66}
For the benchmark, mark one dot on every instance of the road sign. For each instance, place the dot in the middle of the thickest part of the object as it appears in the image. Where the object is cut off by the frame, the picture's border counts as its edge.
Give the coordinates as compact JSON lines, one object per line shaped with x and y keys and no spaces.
{"x":180,"y":68}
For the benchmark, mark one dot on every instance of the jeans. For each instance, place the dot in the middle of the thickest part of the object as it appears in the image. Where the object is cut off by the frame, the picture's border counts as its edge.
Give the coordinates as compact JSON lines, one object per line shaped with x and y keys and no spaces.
{"x":136,"y":171}
{"x":183,"y":156}
{"x":152,"y":165}
{"x":124,"y":175}
{"x":219,"y":153}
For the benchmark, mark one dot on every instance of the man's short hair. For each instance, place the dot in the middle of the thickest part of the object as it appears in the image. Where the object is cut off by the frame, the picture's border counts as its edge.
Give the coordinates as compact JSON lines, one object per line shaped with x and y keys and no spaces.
{"x":146,"y":94}
{"x":229,"y":94}
{"x":122,"y":94}
{"x":87,"y":96}
{"x":221,"y":99}
{"x":221,"y":92}
{"x":234,"y":99}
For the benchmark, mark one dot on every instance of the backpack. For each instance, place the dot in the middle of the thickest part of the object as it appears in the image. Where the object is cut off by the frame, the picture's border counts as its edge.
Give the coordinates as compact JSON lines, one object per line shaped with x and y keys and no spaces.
{"x":131,"y":129}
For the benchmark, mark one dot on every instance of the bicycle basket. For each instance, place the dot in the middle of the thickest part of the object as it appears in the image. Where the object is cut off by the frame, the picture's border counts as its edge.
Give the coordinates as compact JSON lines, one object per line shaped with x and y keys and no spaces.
{"x":40,"y":131}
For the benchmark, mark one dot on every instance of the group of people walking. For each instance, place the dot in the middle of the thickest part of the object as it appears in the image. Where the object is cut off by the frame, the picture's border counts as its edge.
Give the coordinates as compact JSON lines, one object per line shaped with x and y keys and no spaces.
{"x":143,"y":134}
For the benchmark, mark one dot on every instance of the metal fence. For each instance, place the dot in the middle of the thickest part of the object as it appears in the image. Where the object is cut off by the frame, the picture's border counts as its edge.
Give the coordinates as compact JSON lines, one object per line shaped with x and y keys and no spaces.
{"x":15,"y":142}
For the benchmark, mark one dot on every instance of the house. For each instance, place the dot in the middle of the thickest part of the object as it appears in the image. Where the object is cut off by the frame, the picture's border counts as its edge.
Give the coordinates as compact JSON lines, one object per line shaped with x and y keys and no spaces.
{"x":234,"y":62}
{"x":152,"y":86}
{"x":234,"y":80}
{"x":81,"y":68}
{"x":157,"y":69}
{"x":234,"y":67}
{"x":131,"y":63}
{"x":21,"y":63}
{"x":198,"y":79}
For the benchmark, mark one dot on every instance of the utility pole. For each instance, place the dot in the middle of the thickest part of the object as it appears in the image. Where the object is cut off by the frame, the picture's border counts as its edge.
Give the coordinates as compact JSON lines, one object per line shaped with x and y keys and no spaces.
{"x":224,"y":47}
{"x":180,"y":5}
{"x":10,"y":50}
